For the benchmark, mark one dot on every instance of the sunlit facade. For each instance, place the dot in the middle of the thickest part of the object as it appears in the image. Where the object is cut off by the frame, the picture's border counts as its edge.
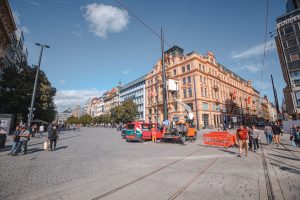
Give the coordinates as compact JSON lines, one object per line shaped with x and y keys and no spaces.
{"x":214,"y":91}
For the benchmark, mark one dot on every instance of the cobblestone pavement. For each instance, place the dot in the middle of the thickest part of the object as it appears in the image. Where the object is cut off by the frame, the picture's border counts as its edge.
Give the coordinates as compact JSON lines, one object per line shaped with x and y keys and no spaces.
{"x":96,"y":163}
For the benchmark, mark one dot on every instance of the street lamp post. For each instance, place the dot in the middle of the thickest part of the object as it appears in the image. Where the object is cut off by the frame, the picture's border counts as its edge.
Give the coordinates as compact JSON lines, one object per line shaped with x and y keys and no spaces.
{"x":35,"y":83}
{"x":242,"y":111}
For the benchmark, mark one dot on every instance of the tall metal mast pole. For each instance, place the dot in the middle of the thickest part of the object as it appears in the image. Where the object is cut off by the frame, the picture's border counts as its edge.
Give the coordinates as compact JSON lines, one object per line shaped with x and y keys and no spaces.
{"x":164,"y":77}
{"x":275,"y":96}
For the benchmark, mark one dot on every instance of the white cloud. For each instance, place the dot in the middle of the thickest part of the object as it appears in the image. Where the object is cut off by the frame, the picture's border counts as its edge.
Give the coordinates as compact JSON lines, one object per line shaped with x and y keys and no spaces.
{"x":254,"y":51}
{"x":265,"y":86}
{"x":77,"y":33}
{"x":253,"y":68}
{"x":16,"y":15}
{"x":69,"y":98}
{"x":25,"y":29}
{"x":34,"y":3}
{"x":126,"y":71}
{"x":103,"y":19}
{"x":62,"y":81}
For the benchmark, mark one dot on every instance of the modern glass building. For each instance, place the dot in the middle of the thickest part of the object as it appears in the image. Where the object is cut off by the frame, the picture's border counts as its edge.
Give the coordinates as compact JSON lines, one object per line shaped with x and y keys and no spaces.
{"x":135,"y":90}
{"x":288,"y":46}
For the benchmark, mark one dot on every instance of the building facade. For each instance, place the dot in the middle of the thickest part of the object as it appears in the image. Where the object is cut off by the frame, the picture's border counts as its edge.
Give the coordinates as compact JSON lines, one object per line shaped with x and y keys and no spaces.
{"x":273,"y":112}
{"x":76,"y":111}
{"x":135,"y":90}
{"x":214,"y":93}
{"x":288,"y":46}
{"x":111,"y":99}
{"x":63,"y":116}
{"x":12,"y":49}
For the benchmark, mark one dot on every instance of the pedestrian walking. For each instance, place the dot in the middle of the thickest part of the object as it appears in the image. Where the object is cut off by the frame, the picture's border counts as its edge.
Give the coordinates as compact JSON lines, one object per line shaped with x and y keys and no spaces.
{"x":41,"y":129}
{"x":254,"y":137}
{"x":276,"y":132}
{"x":221,"y":127}
{"x":242,"y":136}
{"x":16,"y":139}
{"x":297,"y":137}
{"x":268,"y":133}
{"x":293,"y":131}
{"x":153,"y":133}
{"x":53,"y":138}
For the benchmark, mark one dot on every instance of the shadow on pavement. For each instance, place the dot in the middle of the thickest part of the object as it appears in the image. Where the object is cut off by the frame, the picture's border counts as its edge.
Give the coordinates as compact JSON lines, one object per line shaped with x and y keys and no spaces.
{"x":284,"y":157}
{"x":286,"y":150}
{"x":58,"y":148}
{"x":34,"y":150}
{"x":269,"y":149}
{"x":7,"y":148}
{"x":228,"y":151}
{"x":288,"y":169}
{"x":284,"y":163}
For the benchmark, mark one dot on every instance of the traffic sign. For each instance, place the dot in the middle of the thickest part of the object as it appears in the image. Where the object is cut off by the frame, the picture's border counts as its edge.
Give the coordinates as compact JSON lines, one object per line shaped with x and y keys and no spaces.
{"x":234,"y":119}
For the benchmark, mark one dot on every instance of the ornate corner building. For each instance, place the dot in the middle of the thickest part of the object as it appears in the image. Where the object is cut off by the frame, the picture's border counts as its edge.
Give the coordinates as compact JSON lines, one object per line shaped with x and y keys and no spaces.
{"x":214,"y":93}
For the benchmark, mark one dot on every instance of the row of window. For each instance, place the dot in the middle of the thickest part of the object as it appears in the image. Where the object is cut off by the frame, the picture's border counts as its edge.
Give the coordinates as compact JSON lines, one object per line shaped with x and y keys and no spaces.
{"x":189,"y":90}
{"x":289,"y":29}
{"x":186,"y":79}
{"x":136,"y":92}
{"x":292,"y":57}
{"x":291,"y":42}
{"x":205,"y":106}
{"x":134,"y":86}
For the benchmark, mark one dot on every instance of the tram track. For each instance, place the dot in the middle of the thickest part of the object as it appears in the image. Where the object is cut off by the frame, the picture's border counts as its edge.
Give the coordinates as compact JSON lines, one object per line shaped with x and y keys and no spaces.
{"x":108,"y":193}
{"x":269,"y":186}
{"x":192,"y":180}
{"x":289,"y":150}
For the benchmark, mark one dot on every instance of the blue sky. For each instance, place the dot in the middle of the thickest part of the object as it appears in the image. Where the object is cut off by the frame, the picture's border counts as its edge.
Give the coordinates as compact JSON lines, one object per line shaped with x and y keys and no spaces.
{"x":94,"y":44}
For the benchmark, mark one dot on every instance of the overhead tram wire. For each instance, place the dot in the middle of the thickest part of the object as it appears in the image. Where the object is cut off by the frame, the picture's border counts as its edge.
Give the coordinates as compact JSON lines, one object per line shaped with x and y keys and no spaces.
{"x":264,"y":57}
{"x":141,"y":21}
{"x":186,"y":20}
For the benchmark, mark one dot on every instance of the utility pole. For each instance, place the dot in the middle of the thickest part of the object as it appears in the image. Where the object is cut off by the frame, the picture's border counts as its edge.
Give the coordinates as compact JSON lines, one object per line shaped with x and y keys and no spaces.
{"x":196,"y":104}
{"x":156,"y":88}
{"x":35,"y":83}
{"x":275,"y":96}
{"x":164,"y":77}
{"x":242,"y":110}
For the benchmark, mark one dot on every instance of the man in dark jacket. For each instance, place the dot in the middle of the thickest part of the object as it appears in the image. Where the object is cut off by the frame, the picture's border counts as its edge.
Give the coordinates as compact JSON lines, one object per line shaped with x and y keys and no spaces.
{"x":53,"y":137}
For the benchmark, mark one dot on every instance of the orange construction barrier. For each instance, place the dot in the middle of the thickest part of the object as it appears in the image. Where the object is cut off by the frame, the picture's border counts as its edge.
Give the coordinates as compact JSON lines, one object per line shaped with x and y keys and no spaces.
{"x":221,"y":139}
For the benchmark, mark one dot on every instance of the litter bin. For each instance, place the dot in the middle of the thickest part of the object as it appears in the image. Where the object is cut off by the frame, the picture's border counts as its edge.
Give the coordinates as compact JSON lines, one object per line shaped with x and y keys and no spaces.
{"x":2,"y":141}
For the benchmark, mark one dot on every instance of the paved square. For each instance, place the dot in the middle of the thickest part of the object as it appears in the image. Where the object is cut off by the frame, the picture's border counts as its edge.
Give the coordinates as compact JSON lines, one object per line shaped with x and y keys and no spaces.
{"x":96,"y":163}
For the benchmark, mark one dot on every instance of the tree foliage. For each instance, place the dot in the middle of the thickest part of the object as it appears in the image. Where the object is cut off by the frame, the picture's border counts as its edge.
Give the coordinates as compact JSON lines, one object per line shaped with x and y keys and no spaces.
{"x":86,"y":119}
{"x":124,"y":113}
{"x":16,"y":87}
{"x":129,"y":111}
{"x":73,"y":120}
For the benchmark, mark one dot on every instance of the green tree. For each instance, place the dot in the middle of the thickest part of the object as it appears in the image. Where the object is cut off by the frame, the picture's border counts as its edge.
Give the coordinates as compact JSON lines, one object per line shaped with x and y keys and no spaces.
{"x":106,"y":118}
{"x":72,"y":120}
{"x":129,"y":111}
{"x":86,"y":119}
{"x":16,"y":87}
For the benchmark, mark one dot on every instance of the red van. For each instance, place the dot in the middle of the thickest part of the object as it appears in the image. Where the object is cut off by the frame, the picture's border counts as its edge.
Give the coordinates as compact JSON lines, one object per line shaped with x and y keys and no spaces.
{"x":140,"y":131}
